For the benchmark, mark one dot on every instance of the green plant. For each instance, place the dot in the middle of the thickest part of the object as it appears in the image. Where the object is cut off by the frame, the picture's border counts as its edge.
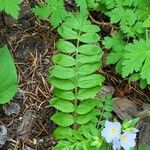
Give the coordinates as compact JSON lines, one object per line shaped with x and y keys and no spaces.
{"x":11,"y":7}
{"x":8,"y":76}
{"x":80,"y":116}
{"x":73,"y":75}
{"x":55,"y":12}
{"x":51,"y":10}
{"x":106,"y":107}
{"x":129,"y":44}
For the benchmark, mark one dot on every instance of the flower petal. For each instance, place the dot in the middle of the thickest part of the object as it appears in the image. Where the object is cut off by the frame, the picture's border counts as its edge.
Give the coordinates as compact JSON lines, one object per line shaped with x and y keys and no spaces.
{"x":111,"y":131}
{"x":116,"y":144}
{"x":127,"y":140}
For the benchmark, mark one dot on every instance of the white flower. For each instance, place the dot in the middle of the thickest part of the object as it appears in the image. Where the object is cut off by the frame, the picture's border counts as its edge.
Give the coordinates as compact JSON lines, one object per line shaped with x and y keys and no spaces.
{"x":111,"y":131}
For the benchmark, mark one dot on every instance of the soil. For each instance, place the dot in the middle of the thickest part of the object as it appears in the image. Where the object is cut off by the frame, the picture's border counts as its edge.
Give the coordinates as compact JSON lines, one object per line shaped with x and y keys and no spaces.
{"x":32,"y":44}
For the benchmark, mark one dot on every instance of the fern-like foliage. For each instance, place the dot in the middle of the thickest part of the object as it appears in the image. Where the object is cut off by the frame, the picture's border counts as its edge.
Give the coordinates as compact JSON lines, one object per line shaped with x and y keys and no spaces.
{"x":55,"y":12}
{"x":51,"y":10}
{"x":11,"y":7}
{"x":137,"y":58}
{"x":74,"y":77}
{"x":133,"y":21}
{"x":116,"y":44}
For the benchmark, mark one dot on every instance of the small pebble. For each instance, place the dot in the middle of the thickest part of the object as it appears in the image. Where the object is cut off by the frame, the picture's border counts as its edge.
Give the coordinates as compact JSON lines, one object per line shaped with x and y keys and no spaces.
{"x":13,"y":108}
{"x":107,"y":90}
{"x":28,"y":148}
{"x":3,"y":135}
{"x":19,"y":94}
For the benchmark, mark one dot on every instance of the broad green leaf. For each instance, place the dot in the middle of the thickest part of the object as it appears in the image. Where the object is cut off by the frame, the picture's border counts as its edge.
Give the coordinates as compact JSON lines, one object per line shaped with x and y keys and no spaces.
{"x":87,"y":93}
{"x":63,"y":119}
{"x":90,"y":49}
{"x":64,"y":60}
{"x":10,"y":7}
{"x":89,"y":37}
{"x":65,"y":46}
{"x":86,"y":106}
{"x":61,"y":83}
{"x":62,"y":72}
{"x":83,"y":119}
{"x":88,"y":59}
{"x":8,"y":76}
{"x":90,"y":81}
{"x":67,"y":33}
{"x":62,"y":105}
{"x":62,"y":132}
{"x":89,"y":68}
{"x":68,"y":95}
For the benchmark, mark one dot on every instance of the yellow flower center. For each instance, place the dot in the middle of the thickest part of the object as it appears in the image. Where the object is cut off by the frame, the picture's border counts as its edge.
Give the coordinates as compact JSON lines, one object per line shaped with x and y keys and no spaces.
{"x":113,"y":131}
{"x":123,"y":138}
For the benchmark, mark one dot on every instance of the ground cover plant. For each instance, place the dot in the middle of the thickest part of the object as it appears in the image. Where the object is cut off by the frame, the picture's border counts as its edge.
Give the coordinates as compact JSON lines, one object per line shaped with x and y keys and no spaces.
{"x":82,"y":116}
{"x":8,"y":74}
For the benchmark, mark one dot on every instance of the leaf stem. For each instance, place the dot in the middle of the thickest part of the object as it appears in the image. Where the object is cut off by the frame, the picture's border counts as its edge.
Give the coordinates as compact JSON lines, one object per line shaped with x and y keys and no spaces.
{"x":76,"y":80}
{"x":100,"y":118}
{"x":147,"y":36}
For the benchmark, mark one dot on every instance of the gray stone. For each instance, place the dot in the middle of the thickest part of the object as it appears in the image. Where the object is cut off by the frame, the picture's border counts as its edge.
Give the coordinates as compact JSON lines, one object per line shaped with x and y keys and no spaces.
{"x":13,"y":108}
{"x":19,"y":94}
{"x":3,"y":135}
{"x":107,"y":90}
{"x":28,"y":148}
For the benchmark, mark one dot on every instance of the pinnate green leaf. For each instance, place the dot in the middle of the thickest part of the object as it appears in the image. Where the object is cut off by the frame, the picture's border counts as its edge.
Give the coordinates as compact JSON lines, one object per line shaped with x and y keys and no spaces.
{"x":89,"y":37}
{"x":87,"y":93}
{"x":63,"y":119}
{"x":62,"y":105}
{"x":68,"y":95}
{"x":62,"y":132}
{"x":90,"y":49}
{"x":65,"y":46}
{"x":63,"y":60}
{"x":83,"y":119}
{"x":90,"y":81}
{"x":61,"y":83}
{"x":89,"y":68}
{"x":67,"y":33}
{"x":90,"y":28}
{"x":62,"y":72}
{"x":88,"y":59}
{"x":86,"y":106}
